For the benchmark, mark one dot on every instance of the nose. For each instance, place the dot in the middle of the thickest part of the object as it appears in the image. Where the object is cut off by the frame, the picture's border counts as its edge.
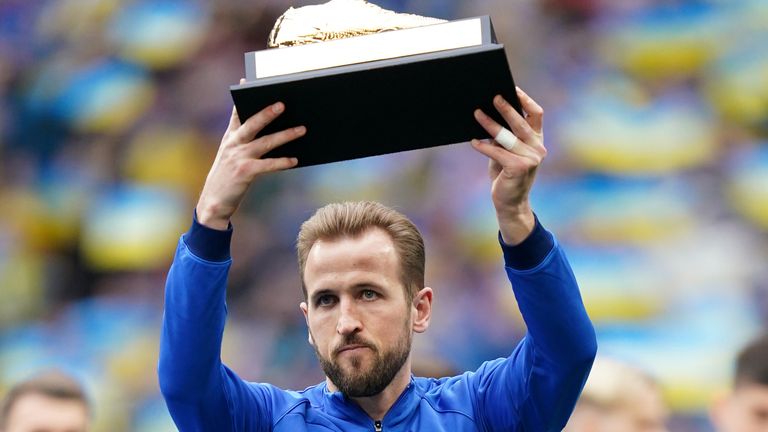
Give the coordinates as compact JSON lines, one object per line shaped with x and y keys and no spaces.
{"x":349,"y":322}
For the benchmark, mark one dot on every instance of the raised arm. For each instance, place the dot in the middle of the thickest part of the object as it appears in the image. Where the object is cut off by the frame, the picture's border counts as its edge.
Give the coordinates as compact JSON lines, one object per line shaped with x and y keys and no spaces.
{"x":238,"y":163}
{"x":200,"y":392}
{"x":536,"y":388}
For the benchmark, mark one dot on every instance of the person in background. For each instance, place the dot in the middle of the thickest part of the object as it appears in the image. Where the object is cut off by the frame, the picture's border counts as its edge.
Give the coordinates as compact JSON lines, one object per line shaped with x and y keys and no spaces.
{"x":48,"y":402}
{"x":619,"y":398}
{"x":745,"y":407}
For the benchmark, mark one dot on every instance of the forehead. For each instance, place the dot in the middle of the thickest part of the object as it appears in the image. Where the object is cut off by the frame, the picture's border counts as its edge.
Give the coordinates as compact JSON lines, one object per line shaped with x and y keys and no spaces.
{"x":371,"y":254}
{"x":649,"y":406}
{"x":752,"y":393}
{"x":35,"y":411}
{"x":644,"y":393}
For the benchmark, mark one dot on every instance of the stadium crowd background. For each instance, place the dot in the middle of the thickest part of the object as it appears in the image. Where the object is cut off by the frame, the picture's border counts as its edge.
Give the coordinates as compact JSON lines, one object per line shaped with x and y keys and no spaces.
{"x":657,"y":183}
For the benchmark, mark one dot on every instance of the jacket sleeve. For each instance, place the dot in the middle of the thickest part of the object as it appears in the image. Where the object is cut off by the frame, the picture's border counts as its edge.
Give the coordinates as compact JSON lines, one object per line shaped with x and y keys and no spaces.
{"x":536,"y":388}
{"x":200,"y":392}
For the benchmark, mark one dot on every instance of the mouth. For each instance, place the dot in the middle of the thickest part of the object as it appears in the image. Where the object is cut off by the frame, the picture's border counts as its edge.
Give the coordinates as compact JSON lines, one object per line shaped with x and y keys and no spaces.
{"x":352,"y":348}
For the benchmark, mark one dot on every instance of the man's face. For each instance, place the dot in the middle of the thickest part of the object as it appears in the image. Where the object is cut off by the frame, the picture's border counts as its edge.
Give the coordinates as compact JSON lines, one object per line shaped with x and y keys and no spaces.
{"x":648,"y":414}
{"x":745,"y":410}
{"x":360,"y":322}
{"x":39,"y":413}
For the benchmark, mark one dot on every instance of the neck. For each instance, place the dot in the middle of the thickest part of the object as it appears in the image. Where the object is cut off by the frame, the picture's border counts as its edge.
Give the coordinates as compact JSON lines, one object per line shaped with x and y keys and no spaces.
{"x":378,"y":405}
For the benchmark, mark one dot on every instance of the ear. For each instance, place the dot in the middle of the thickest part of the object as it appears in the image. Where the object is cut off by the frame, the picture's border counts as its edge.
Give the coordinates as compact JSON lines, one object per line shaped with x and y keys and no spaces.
{"x":305,"y":311}
{"x":422,"y":310}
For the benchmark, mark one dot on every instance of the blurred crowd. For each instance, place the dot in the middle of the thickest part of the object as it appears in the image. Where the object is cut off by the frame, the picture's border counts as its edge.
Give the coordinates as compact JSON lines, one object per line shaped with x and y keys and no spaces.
{"x":656,"y":183}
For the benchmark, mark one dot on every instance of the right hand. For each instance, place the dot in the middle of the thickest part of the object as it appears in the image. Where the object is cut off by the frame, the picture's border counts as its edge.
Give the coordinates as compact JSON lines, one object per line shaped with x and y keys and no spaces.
{"x":513,"y":171}
{"x":238,"y":162}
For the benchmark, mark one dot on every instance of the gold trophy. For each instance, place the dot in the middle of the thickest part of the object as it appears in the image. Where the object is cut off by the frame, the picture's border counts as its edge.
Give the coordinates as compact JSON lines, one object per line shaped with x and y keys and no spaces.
{"x":366,"y":81}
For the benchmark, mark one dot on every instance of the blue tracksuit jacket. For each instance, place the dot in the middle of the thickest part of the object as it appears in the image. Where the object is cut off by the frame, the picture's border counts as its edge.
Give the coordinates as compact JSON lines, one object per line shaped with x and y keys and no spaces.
{"x":532,"y":390}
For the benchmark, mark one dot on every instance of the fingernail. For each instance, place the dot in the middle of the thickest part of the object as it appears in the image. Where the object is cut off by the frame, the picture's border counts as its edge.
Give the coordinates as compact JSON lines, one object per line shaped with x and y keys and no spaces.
{"x":498,"y":100}
{"x":294,"y":161}
{"x":300,"y":130}
{"x":519,"y":90}
{"x":479,"y":114}
{"x":474,"y":142}
{"x":277,"y":108}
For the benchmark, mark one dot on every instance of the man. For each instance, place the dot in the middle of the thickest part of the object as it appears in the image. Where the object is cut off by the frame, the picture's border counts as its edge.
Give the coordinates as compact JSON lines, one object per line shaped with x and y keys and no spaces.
{"x":619,"y":398}
{"x":362,"y":270}
{"x":745,"y":408}
{"x":49,"y":402}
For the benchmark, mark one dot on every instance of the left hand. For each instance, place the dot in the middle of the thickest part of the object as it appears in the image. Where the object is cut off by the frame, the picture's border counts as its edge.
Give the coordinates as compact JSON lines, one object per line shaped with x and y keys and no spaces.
{"x":513,"y":172}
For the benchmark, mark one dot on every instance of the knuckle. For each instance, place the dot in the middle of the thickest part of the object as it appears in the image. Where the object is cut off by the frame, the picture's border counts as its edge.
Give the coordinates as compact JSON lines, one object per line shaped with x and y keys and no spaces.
{"x":259,"y":120}
{"x":268,"y":143}
{"x":285,"y":136}
{"x":242,"y":168}
{"x":282,"y":138}
{"x":231,"y":135}
{"x":244,"y":131}
{"x":531,"y":162}
{"x":253,"y":123}
{"x":271,"y":164}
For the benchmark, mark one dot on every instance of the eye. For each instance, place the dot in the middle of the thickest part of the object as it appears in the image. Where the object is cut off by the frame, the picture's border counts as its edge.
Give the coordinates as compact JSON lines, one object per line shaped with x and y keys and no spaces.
{"x":369,"y":295}
{"x":325,"y":300}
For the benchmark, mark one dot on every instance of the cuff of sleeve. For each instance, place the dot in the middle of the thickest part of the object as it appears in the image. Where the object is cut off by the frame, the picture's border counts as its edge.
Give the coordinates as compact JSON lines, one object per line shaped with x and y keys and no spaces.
{"x":531,"y":252}
{"x":208,"y":243}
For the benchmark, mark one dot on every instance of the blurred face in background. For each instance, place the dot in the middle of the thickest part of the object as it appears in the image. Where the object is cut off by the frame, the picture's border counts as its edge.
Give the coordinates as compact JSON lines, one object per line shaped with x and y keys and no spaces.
{"x":35,"y":412}
{"x":647,"y":414}
{"x":641,"y":410}
{"x":744,"y":410}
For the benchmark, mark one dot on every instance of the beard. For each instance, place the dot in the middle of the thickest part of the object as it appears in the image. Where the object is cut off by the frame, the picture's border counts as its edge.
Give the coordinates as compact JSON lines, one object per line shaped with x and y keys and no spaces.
{"x":357,"y":381}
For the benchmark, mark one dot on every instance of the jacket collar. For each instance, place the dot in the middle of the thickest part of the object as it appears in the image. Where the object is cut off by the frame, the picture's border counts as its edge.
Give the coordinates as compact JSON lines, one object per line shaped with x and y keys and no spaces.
{"x":340,"y":406}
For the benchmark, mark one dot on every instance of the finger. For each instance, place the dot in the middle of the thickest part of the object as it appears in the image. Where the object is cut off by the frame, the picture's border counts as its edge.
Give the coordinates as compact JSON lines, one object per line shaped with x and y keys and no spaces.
{"x":535,"y":111}
{"x":494,"y":168}
{"x":269,"y":142}
{"x":516,"y":122}
{"x":511,"y":143}
{"x":505,"y":158}
{"x":487,"y":123}
{"x":234,"y":121}
{"x":259,"y":121}
{"x":264,"y":166}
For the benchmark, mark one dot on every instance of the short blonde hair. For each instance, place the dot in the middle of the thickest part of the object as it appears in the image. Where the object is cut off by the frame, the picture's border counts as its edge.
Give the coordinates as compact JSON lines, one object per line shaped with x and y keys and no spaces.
{"x":351,"y":219}
{"x":612,"y":384}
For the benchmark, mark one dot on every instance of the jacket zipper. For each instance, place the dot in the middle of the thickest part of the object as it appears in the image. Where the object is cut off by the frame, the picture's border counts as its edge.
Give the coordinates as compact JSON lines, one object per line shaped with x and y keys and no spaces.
{"x":377,"y":426}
